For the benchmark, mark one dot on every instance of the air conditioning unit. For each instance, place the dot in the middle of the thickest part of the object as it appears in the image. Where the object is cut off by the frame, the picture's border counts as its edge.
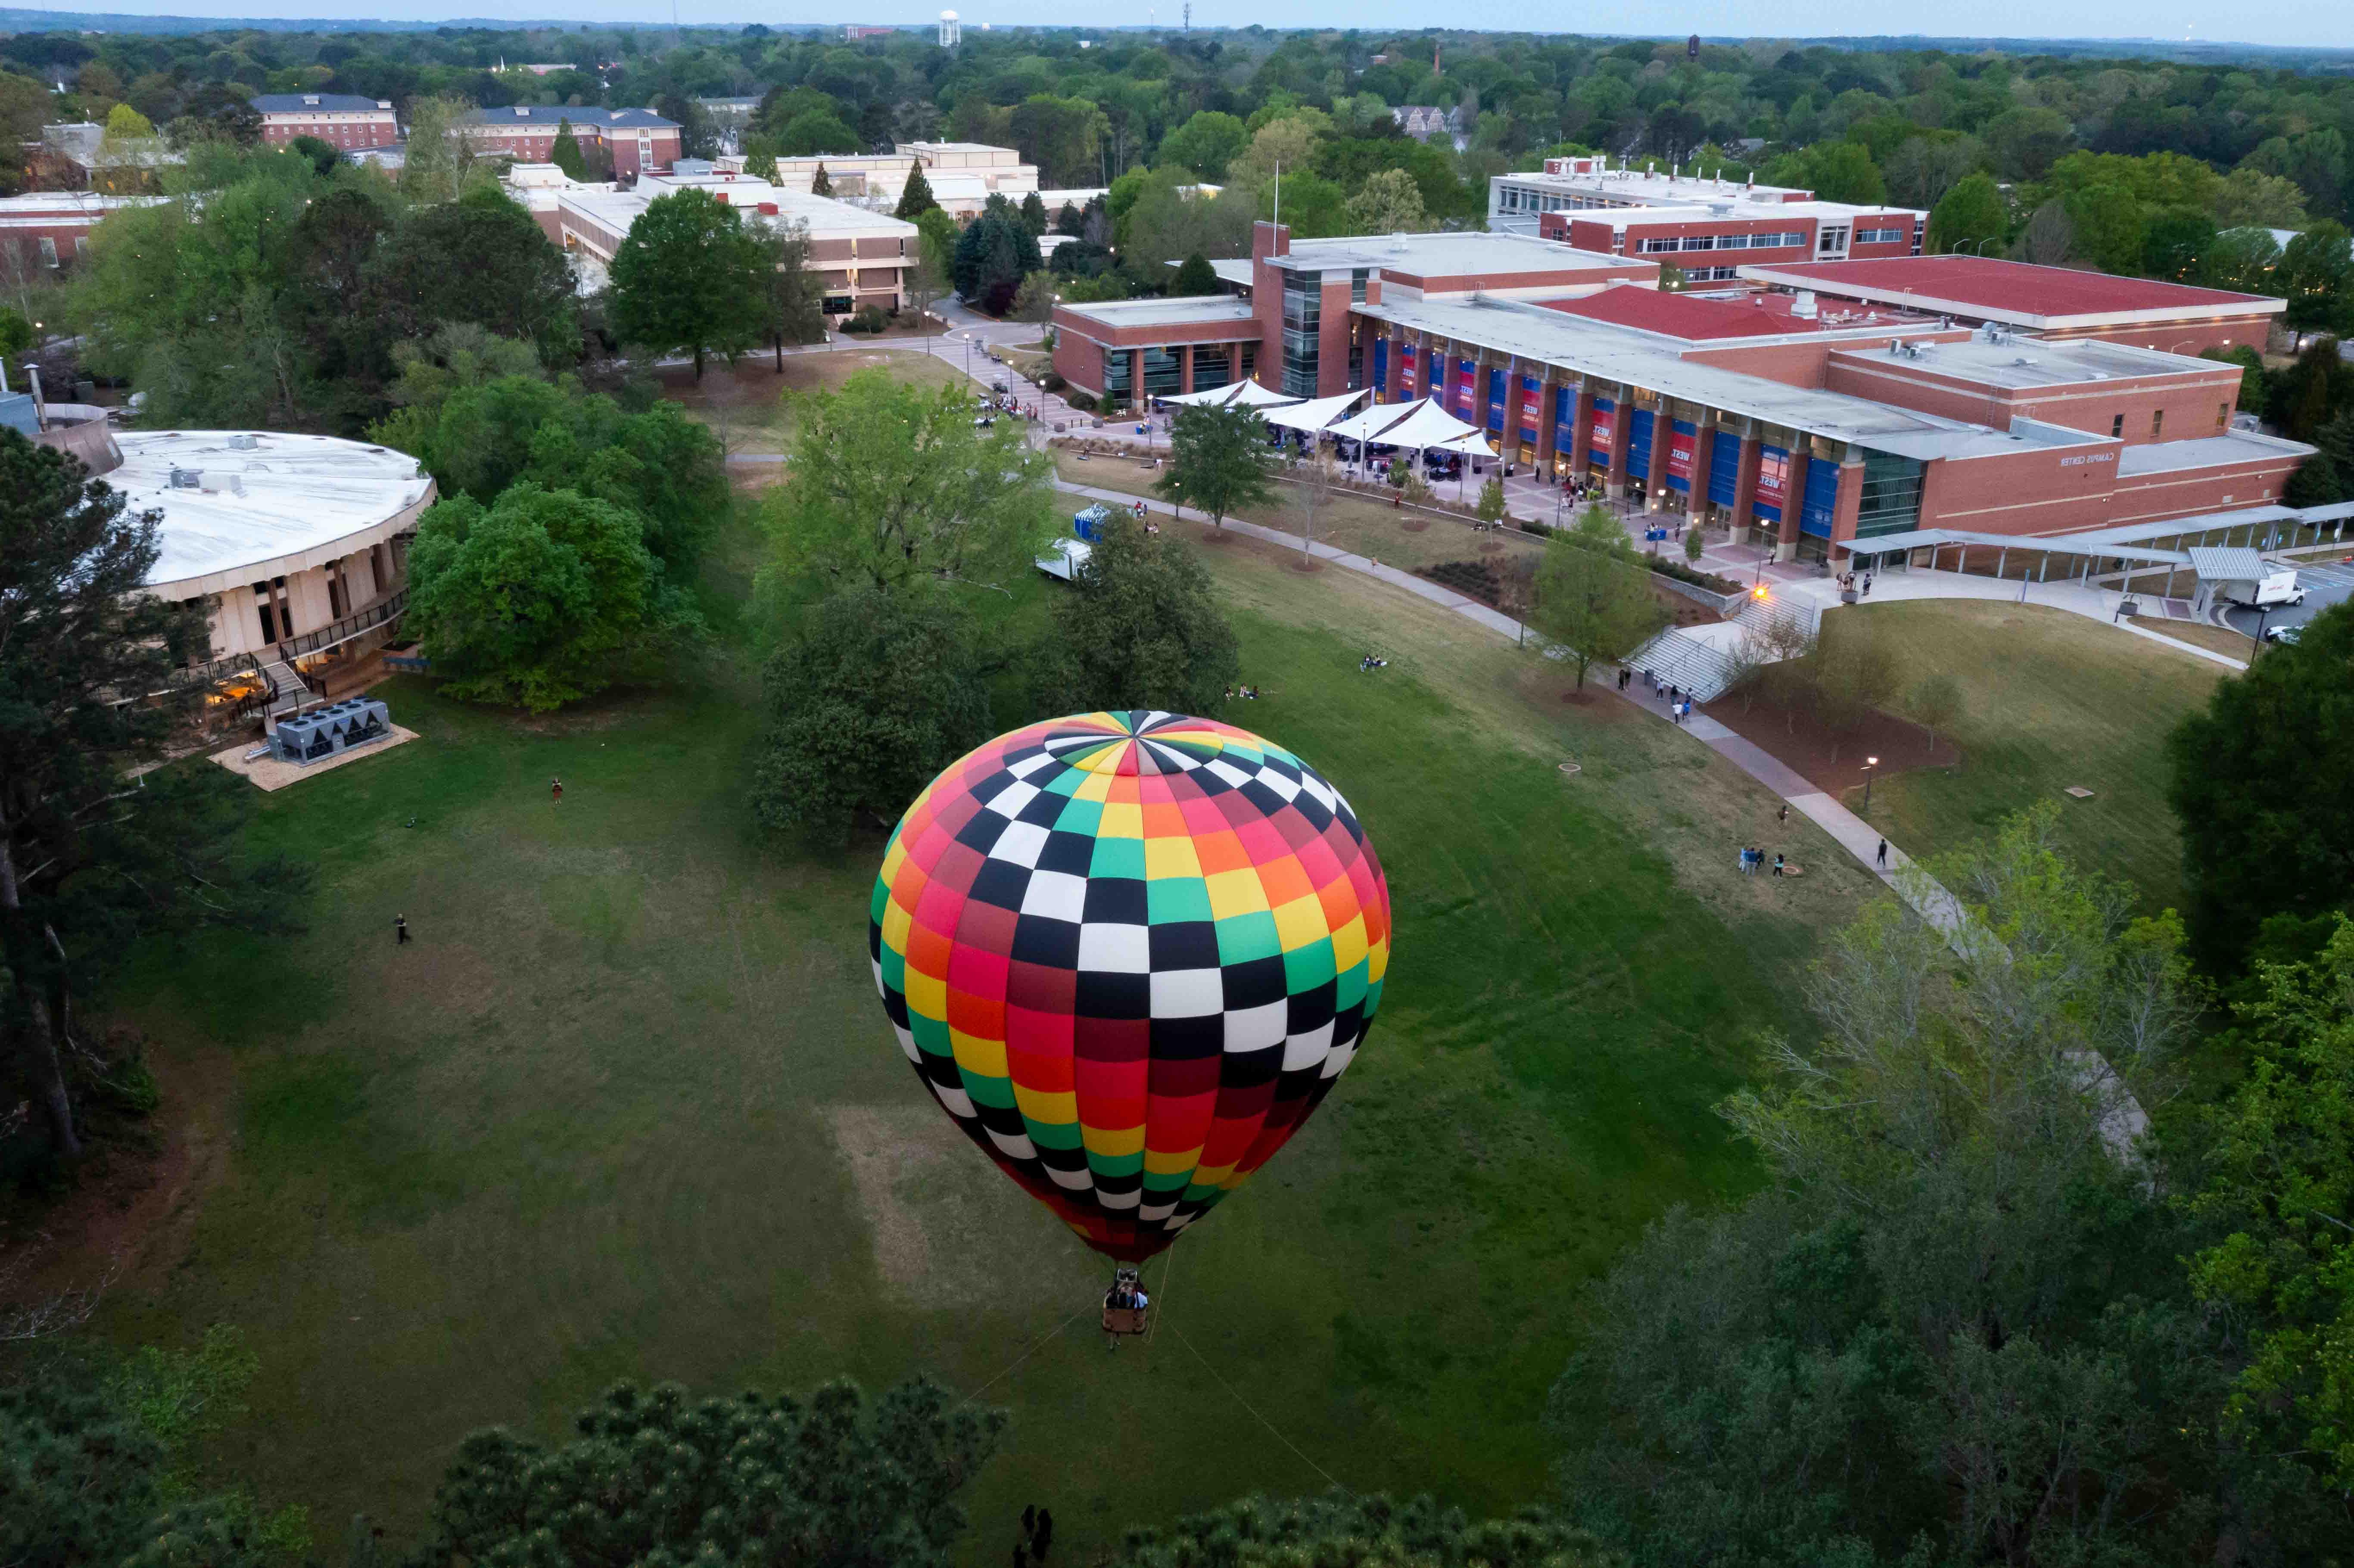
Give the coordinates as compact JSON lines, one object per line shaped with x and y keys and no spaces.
{"x":244,"y":441}
{"x":187,"y":479}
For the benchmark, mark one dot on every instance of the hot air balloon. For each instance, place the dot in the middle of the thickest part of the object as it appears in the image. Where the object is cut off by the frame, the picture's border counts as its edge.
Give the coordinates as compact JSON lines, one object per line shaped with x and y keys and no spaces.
{"x":1129,"y":953}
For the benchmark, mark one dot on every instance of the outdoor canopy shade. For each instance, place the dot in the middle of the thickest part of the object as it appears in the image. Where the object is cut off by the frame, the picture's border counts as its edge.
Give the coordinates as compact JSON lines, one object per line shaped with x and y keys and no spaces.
{"x":1432,"y":428}
{"x":1233,"y":394}
{"x":1314,"y":416}
{"x":1369,"y":425}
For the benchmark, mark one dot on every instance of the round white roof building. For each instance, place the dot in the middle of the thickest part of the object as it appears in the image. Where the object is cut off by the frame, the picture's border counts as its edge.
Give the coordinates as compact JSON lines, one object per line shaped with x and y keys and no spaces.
{"x":241,"y":507}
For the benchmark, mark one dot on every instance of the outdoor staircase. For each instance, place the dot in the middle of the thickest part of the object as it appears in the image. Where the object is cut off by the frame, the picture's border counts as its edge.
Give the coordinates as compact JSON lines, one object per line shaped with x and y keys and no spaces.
{"x":1699,"y":665}
{"x":287,"y":688}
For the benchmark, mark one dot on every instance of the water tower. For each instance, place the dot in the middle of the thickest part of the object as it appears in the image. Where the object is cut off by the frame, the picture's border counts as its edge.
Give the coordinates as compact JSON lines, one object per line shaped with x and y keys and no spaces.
{"x":951,"y":30}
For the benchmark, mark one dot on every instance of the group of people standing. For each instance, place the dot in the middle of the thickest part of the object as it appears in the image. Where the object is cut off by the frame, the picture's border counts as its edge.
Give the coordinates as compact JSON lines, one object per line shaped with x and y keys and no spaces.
{"x":1037,"y":1537}
{"x":1752,"y":857}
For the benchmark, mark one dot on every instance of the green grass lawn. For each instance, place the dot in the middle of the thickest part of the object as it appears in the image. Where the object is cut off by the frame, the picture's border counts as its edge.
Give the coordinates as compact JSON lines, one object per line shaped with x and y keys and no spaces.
{"x":745,"y":404}
{"x":2053,"y":700}
{"x":628,"y":1107}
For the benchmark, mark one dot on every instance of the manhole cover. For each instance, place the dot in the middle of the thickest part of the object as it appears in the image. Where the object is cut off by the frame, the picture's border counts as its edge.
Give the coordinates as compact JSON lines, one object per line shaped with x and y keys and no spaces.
{"x":1571,"y":767}
{"x":2079,"y":792}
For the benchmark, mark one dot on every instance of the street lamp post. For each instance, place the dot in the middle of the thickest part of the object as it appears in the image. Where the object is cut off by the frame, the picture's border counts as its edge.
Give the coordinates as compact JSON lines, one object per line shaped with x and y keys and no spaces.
{"x":1869,"y":764}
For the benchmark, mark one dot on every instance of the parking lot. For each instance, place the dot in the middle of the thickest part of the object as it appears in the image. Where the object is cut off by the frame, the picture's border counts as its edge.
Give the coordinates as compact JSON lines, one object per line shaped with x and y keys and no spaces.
{"x":2324,"y":584}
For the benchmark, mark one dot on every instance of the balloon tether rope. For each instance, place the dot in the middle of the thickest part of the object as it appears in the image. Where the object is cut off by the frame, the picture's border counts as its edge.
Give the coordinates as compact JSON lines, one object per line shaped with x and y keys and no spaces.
{"x":1035,"y":1346}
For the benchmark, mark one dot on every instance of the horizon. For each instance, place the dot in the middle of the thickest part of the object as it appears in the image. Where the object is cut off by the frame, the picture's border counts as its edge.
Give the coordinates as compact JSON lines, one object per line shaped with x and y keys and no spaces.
{"x":2302,"y":24}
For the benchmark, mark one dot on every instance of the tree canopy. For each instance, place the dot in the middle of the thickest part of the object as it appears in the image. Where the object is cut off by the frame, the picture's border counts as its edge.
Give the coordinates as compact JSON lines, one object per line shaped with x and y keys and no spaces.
{"x":1594,"y":594}
{"x":1140,"y":628}
{"x":690,"y":279}
{"x":1218,"y":462}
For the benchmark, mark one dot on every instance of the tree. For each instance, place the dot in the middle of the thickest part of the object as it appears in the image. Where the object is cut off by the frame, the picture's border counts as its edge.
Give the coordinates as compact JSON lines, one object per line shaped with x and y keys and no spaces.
{"x":1389,"y":202}
{"x":874,"y":694}
{"x":760,"y":158}
{"x":914,"y":197}
{"x":1195,"y":277}
{"x":89,"y":862}
{"x":2025,"y":142}
{"x":1170,"y":220}
{"x":517,"y":285}
{"x":2249,"y":199}
{"x":831,"y":1480}
{"x":813,"y":132}
{"x":1954,"y":1316}
{"x":1204,"y":144}
{"x":2175,"y":243}
{"x":819,"y":184}
{"x":537,"y":599}
{"x":2263,"y":788}
{"x":217,"y":112}
{"x":1491,"y":508}
{"x":439,"y":160}
{"x":1344,"y":1529}
{"x":1218,"y":462}
{"x":890,"y":486}
{"x":2109,"y":226}
{"x":689,"y":279}
{"x":792,"y":302}
{"x":1034,"y":300}
{"x":1034,"y":213}
{"x":939,"y":238}
{"x":2251,"y":397}
{"x":1310,"y":206}
{"x":2280,"y":1185}
{"x":991,"y":259}
{"x":2049,"y":238}
{"x":2318,"y":481}
{"x":321,"y":156}
{"x":1935,"y":703}
{"x":1290,"y":143}
{"x":2317,"y":276}
{"x":1843,"y":171}
{"x":1594,"y":594}
{"x":16,"y":335}
{"x":565,"y":154}
{"x":1139,"y":628}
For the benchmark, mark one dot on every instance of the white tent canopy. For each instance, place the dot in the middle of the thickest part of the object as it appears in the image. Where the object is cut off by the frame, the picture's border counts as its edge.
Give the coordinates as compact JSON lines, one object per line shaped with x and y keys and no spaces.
{"x":1432,"y":427}
{"x":1233,"y":394}
{"x":1469,"y":446}
{"x":1314,"y":416}
{"x":1215,"y":397}
{"x":1251,"y":395}
{"x":1369,"y":425}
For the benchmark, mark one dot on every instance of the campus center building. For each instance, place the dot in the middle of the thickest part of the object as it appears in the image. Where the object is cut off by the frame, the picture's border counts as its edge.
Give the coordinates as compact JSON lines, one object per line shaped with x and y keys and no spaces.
{"x":861,"y":257}
{"x":1771,"y":413}
{"x":962,"y":175}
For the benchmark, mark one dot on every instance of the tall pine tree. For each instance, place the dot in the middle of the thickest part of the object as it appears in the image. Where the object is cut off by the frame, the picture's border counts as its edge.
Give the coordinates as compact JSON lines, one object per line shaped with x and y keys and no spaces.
{"x":819,"y":185}
{"x":915,"y":196}
{"x":565,"y":154}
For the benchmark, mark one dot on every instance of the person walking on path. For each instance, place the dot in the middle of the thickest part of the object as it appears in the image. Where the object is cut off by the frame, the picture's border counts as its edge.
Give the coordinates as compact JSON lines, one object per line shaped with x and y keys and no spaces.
{"x":400,"y":930}
{"x":1880,"y":859}
{"x":1777,"y":863}
{"x":1783,"y":814}
{"x":556,"y":789}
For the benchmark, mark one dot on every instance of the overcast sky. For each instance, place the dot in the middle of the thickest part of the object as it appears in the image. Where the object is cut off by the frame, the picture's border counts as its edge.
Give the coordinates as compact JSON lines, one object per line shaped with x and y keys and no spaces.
{"x":2314,"y":22}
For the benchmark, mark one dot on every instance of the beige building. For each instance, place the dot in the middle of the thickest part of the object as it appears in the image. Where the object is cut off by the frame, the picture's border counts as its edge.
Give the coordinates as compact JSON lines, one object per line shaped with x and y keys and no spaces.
{"x":963,"y":175}
{"x":861,"y":257}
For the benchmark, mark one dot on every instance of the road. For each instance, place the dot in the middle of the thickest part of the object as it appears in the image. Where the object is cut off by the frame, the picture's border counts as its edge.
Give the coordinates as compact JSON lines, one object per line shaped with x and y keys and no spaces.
{"x":2324,"y":584}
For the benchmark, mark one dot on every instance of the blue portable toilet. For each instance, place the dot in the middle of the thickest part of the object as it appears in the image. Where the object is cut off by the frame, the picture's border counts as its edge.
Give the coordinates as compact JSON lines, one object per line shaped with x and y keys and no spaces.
{"x":1086,"y":524}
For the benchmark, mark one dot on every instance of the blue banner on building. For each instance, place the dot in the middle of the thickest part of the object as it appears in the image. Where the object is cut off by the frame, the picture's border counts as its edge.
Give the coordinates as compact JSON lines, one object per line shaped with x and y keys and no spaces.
{"x":1638,"y":444}
{"x":1565,"y":422}
{"x":1381,"y":367}
{"x":1820,"y":507}
{"x":1773,"y":483}
{"x":1496,"y":401}
{"x":1724,"y":468}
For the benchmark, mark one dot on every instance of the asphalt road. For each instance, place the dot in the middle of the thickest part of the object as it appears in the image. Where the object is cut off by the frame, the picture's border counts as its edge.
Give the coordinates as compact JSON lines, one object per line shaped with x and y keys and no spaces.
{"x":2323,"y":586}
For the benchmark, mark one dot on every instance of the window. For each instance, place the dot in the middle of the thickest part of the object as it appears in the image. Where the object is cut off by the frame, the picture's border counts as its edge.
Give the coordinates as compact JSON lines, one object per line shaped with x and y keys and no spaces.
{"x":1830,"y":239}
{"x":1652,"y":247}
{"x":1116,"y":364}
{"x":1879,"y":236}
{"x":1303,"y":302}
{"x":1891,"y":495}
{"x":1210,"y":367}
{"x":1357,"y":285}
{"x":2222,"y":415}
{"x":2157,"y":424}
{"x":1700,"y":241}
{"x":49,"y":251}
{"x":2117,"y":427}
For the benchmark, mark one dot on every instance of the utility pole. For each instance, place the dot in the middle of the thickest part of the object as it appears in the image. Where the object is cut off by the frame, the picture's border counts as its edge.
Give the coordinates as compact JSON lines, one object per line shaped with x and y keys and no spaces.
{"x":1189,"y":16}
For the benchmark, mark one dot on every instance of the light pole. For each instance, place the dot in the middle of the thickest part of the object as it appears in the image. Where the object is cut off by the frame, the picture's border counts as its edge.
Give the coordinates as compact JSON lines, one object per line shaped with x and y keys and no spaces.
{"x":1869,"y":764}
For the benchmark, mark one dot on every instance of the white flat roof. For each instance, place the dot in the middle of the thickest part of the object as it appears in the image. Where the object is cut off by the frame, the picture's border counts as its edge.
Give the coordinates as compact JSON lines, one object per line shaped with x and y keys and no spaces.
{"x":2022,"y":362}
{"x":286,"y":504}
{"x":2206,"y":451}
{"x":1180,"y":311}
{"x":824,"y":216}
{"x":1463,"y":254}
{"x":1736,"y":210}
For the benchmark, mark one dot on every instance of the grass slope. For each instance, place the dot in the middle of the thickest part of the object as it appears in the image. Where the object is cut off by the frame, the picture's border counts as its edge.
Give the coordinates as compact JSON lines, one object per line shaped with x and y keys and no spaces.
{"x":628,"y":1107}
{"x":2053,"y":700}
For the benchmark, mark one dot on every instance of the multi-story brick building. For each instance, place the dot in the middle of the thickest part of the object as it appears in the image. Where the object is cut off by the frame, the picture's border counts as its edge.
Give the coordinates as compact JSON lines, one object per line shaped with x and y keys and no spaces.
{"x":1824,"y":429}
{"x":43,"y":231}
{"x":861,"y":257}
{"x":341,"y":120}
{"x":2050,"y":302}
{"x":1704,"y":227}
{"x":636,"y":141}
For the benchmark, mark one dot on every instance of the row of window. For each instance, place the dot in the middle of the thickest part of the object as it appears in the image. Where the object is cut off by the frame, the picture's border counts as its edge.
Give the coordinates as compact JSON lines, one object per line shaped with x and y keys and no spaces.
{"x":1882,"y":235}
{"x":1726,"y":242}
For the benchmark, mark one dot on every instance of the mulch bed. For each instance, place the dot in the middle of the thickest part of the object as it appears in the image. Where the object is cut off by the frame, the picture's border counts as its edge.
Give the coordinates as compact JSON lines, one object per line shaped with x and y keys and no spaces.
{"x":1833,"y":760}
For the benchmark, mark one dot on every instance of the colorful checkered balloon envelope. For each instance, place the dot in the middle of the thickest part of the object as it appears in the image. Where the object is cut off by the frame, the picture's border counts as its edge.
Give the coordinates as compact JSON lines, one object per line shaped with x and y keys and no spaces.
{"x":1129,"y":952}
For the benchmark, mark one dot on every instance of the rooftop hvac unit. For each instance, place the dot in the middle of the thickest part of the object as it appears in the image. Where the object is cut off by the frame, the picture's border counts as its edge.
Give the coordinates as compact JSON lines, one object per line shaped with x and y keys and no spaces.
{"x":314,"y":736}
{"x":187,"y":479}
{"x":243,"y":441}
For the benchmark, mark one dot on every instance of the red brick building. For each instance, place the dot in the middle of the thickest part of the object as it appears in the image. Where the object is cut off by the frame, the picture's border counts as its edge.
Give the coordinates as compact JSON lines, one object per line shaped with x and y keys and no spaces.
{"x":341,"y":120}
{"x":639,"y":141}
{"x":2050,"y":302}
{"x":49,"y":229}
{"x":1821,"y":427}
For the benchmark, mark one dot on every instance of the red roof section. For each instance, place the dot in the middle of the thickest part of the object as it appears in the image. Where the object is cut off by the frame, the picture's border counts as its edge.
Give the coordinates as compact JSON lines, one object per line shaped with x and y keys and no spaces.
{"x":2006,"y":288}
{"x":1685,"y":316}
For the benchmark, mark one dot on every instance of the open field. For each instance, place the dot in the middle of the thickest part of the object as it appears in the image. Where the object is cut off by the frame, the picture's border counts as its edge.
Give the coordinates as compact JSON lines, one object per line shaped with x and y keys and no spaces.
{"x":745,"y":404}
{"x":2053,"y":700}
{"x":628,"y":1107}
{"x":2202,"y":634}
